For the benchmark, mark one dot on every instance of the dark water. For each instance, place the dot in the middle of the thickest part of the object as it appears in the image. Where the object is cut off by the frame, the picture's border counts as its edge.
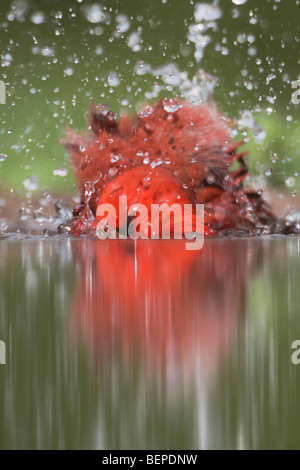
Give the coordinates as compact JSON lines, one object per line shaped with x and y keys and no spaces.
{"x":123,"y":345}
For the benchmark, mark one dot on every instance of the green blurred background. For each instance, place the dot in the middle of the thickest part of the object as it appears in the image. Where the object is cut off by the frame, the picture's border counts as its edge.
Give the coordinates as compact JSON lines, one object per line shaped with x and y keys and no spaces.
{"x":57,"y":56}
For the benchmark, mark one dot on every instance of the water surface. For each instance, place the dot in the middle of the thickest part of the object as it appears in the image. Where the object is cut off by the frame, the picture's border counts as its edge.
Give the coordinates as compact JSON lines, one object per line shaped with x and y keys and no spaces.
{"x":128,"y":345}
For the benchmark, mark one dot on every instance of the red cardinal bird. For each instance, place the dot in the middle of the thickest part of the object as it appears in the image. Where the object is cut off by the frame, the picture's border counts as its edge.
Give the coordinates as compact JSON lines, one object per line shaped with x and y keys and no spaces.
{"x":170,"y":152}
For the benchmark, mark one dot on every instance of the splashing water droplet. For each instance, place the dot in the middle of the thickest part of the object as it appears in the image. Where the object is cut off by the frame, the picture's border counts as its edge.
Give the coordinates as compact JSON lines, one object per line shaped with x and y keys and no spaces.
{"x":205,"y":16}
{"x":134,"y":41}
{"x":170,"y":105}
{"x":290,"y":182}
{"x":113,"y":171}
{"x":6,"y":60}
{"x":146,"y":111}
{"x":24,"y":213}
{"x":46,"y":199}
{"x":123,"y":23}
{"x":142,"y":68}
{"x":31,"y":183}
{"x":39,"y":216}
{"x":19,"y":8}
{"x":68,"y":71}
{"x":60,"y":172}
{"x":3,"y":226}
{"x":94,"y":13}
{"x":38,"y":17}
{"x":47,"y":51}
{"x":113,"y":79}
{"x":270,"y":77}
{"x":114,"y":158}
{"x":293,"y":216}
{"x":200,"y":88}
{"x":99,"y":50}
{"x":64,"y":228}
{"x":207,"y":12}
{"x":170,"y":74}
{"x":146,"y":182}
{"x":247,"y":120}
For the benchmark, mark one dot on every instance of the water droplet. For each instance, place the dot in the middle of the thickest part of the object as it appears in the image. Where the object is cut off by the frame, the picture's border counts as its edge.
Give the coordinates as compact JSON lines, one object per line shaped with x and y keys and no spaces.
{"x":47,"y":51}
{"x":60,"y":172}
{"x":142,"y":68}
{"x":157,"y":162}
{"x":290,"y":182}
{"x":241,"y":38}
{"x":170,"y":105}
{"x":207,"y":12}
{"x":170,"y":74}
{"x":38,"y":17}
{"x":19,"y":8}
{"x":24,"y":213}
{"x":3,"y":226}
{"x":68,"y":71}
{"x":6,"y":60}
{"x":99,"y":30}
{"x":31,"y":183}
{"x":114,"y":158}
{"x":46,"y":199}
{"x":64,"y":228}
{"x":247,"y":120}
{"x":123,"y":23}
{"x":99,"y":50}
{"x":113,"y":79}
{"x":200,"y":88}
{"x":113,"y":171}
{"x":270,"y":77}
{"x":233,"y":132}
{"x":39,"y":216}
{"x":205,"y":15}
{"x":94,"y":13}
{"x":293,"y":216}
{"x":146,"y":182}
{"x":239,"y":2}
{"x":58,"y":15}
{"x":211,"y":179}
{"x":252,"y":51}
{"x":134,"y":41}
{"x":146,"y":111}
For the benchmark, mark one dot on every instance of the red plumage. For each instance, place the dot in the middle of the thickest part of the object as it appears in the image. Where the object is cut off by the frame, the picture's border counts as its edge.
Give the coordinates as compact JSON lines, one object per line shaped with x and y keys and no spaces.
{"x":170,"y":152}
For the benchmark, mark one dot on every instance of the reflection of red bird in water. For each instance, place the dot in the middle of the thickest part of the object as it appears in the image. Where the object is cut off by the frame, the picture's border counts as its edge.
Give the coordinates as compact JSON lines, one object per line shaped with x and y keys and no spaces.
{"x":171,"y":152}
{"x":156,"y":301}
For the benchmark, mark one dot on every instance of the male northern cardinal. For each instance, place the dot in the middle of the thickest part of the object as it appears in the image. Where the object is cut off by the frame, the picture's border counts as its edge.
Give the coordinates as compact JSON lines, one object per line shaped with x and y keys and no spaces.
{"x":171,"y":152}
